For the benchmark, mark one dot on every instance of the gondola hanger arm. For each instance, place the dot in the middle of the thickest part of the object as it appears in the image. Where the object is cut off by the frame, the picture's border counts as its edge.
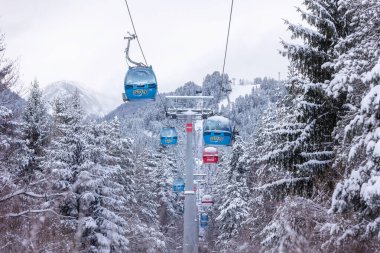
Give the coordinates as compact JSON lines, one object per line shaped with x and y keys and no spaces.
{"x":129,"y":38}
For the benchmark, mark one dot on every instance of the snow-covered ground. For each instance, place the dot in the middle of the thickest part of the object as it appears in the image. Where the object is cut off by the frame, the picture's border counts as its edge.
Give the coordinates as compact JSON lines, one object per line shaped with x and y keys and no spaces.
{"x":237,"y":91}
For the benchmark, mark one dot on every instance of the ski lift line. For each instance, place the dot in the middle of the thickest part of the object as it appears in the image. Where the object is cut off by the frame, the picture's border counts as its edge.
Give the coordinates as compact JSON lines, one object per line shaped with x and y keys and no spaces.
{"x":228,"y":36}
{"x":134,"y":29}
{"x":139,"y":64}
{"x":226,"y":49}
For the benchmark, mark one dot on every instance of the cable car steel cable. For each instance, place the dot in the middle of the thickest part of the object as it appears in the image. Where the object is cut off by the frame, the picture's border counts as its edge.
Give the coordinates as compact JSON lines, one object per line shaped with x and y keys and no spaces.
{"x":135,"y":36}
{"x":215,"y":136}
{"x":140,"y":82}
{"x":134,"y":29}
{"x":226,"y":49}
{"x":142,"y":52}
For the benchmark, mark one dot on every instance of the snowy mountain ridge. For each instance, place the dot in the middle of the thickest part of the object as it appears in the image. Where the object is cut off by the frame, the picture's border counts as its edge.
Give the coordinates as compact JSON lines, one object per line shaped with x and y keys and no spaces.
{"x":92,"y":102}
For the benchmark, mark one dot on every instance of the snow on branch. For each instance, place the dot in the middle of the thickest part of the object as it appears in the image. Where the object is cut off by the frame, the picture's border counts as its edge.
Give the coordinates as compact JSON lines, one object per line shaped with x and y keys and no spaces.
{"x":30,"y":194}
{"x":313,"y":163}
{"x":286,"y":181}
{"x":297,"y":49}
{"x":304,"y":32}
{"x":317,"y":154}
{"x":26,"y":212}
{"x":318,"y":20}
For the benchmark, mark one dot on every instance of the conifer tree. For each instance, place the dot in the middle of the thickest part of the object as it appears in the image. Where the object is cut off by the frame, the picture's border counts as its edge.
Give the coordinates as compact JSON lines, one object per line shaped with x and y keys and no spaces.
{"x":217,"y":86}
{"x":169,"y":207}
{"x":294,"y":150}
{"x":22,"y":197}
{"x":66,"y":157}
{"x":35,"y":127}
{"x":8,"y":73}
{"x":310,"y":62}
{"x":358,"y":76}
{"x":232,"y":201}
{"x":102,"y":197}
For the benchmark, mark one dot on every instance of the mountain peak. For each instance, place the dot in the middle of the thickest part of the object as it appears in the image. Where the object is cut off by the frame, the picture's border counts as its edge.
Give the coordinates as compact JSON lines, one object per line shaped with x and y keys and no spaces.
{"x":91,"y":101}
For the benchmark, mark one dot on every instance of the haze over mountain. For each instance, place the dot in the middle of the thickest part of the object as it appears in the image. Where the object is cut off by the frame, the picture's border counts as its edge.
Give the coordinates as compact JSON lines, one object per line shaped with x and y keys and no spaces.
{"x":94,"y":104}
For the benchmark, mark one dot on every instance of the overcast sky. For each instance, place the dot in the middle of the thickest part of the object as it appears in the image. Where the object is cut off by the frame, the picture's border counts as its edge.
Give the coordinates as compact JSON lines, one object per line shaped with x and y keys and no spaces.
{"x":82,"y":40}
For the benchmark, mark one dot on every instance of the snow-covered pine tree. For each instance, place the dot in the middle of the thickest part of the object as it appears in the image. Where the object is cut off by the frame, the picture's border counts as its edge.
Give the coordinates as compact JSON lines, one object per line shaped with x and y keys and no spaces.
{"x":13,"y":197}
{"x":212,"y":86}
{"x":8,"y":74}
{"x":35,"y":128}
{"x":103,"y":206}
{"x":294,"y":147}
{"x":246,"y":111}
{"x":272,"y":152}
{"x":270,"y":180}
{"x":170,"y":207}
{"x":21,"y":200}
{"x":12,"y":158}
{"x":232,"y":201}
{"x":86,"y":160}
{"x":121,"y":149}
{"x":66,"y":152}
{"x":311,"y":72}
{"x":65,"y":158}
{"x":188,"y":89}
{"x":146,"y":236}
{"x":358,"y":132}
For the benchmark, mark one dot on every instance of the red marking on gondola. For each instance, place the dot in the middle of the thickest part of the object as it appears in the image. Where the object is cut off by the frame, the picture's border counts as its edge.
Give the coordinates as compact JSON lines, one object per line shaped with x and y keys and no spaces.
{"x":210,"y":159}
{"x":210,"y":155}
{"x":189,"y":127}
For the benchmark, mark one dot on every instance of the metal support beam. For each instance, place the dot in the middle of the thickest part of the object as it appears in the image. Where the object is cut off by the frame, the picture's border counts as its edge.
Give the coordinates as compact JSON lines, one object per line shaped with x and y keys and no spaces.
{"x":190,"y":217}
{"x":176,"y":110}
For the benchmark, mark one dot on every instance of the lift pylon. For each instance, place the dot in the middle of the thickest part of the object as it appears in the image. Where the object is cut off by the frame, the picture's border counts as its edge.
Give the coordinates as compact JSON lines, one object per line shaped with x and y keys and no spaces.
{"x":182,"y":106}
{"x":189,"y":108}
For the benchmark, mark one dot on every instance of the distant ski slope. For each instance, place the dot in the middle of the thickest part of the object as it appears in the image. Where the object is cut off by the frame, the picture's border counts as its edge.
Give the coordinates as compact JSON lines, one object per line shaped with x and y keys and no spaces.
{"x":237,"y":91}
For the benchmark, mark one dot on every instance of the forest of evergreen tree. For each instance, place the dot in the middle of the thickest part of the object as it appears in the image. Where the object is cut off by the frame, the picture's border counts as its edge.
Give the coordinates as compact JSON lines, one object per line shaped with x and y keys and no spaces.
{"x":303,"y":174}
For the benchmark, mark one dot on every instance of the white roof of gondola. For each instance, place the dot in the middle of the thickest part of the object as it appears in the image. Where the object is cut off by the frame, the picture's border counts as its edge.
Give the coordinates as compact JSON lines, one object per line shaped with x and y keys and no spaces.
{"x":220,"y":119}
{"x":206,"y":197}
{"x":211,"y":150}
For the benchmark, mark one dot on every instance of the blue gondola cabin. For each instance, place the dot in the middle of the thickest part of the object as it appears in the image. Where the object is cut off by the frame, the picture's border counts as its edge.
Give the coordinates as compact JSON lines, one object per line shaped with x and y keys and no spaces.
{"x":140,"y":83}
{"x":168,"y":136}
{"x":217,"y":131}
{"x":204,"y":220}
{"x":178,"y":185}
